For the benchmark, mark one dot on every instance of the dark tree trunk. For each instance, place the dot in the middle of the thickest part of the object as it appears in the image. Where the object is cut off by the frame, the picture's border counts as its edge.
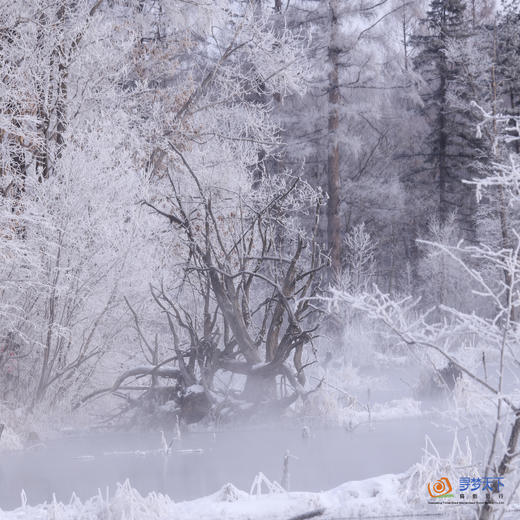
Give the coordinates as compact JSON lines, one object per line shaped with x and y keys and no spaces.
{"x":333,"y":160}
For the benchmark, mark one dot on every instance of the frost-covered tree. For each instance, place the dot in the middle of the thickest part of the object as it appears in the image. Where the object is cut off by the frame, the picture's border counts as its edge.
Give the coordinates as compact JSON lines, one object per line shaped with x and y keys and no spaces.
{"x":447,"y":149}
{"x":70,"y":185}
{"x":345,"y":133}
{"x":486,"y":363}
{"x":233,"y":262}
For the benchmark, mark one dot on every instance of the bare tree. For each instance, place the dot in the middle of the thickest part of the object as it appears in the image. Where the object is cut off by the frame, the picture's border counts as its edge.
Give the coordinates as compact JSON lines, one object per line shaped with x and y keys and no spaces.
{"x":250,"y":313}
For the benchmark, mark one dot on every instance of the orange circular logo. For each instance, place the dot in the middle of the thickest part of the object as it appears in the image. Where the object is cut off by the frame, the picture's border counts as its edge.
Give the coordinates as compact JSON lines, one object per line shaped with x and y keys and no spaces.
{"x":440,"y":488}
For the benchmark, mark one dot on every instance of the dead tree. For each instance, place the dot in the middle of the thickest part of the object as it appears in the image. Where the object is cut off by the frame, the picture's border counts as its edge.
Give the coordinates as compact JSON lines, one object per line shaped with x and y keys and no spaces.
{"x":251,"y":316}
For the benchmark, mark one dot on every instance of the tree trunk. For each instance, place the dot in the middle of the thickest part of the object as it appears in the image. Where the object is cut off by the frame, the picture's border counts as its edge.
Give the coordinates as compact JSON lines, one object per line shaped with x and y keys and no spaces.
{"x":260,"y":387}
{"x":443,"y":142}
{"x":486,"y":513}
{"x":333,"y":160}
{"x":63,"y":73}
{"x":405,"y":42}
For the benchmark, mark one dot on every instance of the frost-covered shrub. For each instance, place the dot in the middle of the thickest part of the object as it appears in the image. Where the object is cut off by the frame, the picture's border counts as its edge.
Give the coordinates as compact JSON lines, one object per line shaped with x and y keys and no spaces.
{"x":444,"y":281}
{"x":438,"y":382}
{"x":10,"y":440}
{"x":10,"y":429}
{"x":359,"y":265}
{"x":433,"y":467}
{"x":328,"y":406}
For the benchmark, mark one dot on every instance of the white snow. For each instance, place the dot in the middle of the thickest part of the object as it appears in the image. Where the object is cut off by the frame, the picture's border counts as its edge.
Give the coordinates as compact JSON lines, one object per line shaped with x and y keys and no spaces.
{"x":396,"y":409}
{"x":383,"y":495}
{"x":195,"y":389}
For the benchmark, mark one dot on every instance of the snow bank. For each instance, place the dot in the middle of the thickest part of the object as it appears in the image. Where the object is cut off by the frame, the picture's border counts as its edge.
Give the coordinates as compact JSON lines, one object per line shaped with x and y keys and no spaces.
{"x":377,"y":496}
{"x":396,"y":409}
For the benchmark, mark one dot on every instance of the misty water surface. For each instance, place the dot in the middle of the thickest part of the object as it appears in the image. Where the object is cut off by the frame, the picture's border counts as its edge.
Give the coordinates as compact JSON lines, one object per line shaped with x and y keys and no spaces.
{"x":84,"y":464}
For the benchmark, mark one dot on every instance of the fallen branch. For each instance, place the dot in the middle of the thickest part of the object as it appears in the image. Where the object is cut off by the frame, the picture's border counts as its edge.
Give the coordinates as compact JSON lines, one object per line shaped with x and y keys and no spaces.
{"x":309,"y":514}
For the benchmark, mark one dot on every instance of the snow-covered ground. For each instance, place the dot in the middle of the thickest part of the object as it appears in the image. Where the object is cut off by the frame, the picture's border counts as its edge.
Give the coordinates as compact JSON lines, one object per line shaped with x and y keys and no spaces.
{"x":381,"y":496}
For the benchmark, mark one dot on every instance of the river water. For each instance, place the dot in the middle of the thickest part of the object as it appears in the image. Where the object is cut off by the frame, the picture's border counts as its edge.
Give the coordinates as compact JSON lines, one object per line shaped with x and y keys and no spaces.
{"x":201,"y":463}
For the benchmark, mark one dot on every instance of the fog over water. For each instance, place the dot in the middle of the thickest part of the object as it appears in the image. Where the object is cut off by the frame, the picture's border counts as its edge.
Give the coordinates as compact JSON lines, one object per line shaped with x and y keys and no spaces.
{"x":329,"y":457}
